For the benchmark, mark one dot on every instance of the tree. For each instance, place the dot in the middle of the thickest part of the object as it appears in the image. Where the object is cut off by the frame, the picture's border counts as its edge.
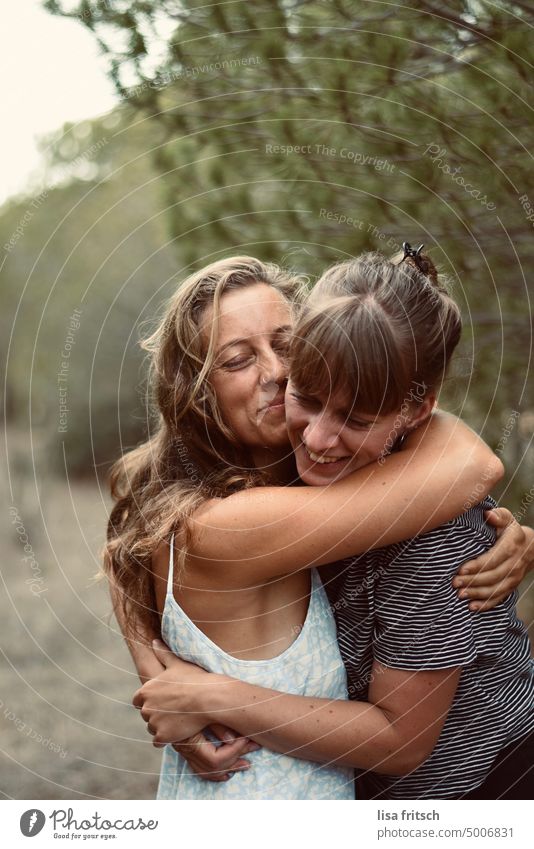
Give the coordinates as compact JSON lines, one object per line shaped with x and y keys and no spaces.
{"x":305,"y":132}
{"x":91,"y":264}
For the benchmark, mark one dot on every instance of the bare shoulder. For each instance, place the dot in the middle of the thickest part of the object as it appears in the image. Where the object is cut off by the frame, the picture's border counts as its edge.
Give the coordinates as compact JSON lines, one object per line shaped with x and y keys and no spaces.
{"x":161,"y":555}
{"x":208,"y":508}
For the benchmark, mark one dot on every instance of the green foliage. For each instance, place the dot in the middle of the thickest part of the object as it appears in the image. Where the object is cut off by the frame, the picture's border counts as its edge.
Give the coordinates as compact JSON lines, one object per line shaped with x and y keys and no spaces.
{"x":97,"y":245}
{"x":390,"y":110}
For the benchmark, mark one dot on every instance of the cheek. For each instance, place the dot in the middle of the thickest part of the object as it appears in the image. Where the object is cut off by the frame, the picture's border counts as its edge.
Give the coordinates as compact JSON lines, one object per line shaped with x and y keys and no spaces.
{"x":234,"y":393}
{"x":377,"y":442}
{"x":354,"y":442}
{"x":296,"y":418}
{"x":368,"y":445}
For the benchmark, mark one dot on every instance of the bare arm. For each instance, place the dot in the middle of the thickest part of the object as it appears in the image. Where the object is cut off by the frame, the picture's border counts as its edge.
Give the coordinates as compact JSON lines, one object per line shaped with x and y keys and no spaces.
{"x":262,"y":533}
{"x":393,"y":733}
{"x":148,"y":666}
{"x":396,"y":729}
{"x":146,"y":662}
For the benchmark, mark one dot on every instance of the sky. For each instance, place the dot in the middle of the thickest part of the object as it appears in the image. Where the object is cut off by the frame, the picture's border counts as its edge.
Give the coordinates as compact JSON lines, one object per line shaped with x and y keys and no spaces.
{"x":52,"y":73}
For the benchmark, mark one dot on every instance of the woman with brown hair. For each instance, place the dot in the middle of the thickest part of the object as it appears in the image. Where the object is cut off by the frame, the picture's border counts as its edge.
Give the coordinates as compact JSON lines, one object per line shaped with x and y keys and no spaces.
{"x":420,"y":666}
{"x":217,"y":476}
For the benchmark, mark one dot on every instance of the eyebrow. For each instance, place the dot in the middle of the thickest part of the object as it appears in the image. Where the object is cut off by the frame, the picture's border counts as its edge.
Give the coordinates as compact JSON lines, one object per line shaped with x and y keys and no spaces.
{"x":238,"y":341}
{"x":351,"y":413}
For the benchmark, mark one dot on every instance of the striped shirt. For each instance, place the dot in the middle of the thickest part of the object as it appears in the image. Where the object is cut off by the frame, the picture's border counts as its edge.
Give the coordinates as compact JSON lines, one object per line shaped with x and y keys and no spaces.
{"x":396,"y":605}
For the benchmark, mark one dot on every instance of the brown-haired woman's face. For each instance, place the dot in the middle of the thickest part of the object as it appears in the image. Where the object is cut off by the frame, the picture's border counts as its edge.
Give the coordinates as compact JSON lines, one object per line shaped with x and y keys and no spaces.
{"x":249,"y":375}
{"x":331,"y":439}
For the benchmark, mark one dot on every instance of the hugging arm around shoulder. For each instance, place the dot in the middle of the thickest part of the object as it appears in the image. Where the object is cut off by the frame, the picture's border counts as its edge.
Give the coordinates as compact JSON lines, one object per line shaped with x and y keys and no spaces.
{"x":270,"y":531}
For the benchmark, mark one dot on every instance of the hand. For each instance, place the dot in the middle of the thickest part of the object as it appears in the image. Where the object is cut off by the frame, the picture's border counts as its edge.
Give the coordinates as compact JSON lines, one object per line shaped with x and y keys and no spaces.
{"x":494,"y":575}
{"x":171,"y":703}
{"x":148,"y":666}
{"x":215,"y":763}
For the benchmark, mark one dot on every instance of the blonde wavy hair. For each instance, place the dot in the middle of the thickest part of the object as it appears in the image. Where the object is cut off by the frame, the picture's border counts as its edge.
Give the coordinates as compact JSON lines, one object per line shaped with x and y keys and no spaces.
{"x":192,"y":455}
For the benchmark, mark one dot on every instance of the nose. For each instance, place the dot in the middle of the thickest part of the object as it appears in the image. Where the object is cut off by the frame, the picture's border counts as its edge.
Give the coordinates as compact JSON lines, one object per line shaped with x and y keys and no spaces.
{"x":321,"y":434}
{"x":273,"y":369}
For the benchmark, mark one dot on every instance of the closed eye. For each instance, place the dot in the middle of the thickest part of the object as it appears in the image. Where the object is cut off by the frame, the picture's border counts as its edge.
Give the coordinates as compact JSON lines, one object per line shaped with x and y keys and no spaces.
{"x":359,"y":424}
{"x":238,"y":362}
{"x":304,"y":400}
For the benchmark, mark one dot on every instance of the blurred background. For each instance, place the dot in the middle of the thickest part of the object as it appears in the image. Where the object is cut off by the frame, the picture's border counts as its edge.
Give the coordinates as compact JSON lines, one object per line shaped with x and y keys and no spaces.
{"x":145,"y":139}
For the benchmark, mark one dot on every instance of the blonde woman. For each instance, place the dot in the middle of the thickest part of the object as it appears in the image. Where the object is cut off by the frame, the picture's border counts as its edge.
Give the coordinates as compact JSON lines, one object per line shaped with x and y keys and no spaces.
{"x":211,"y":541}
{"x":442,"y":701}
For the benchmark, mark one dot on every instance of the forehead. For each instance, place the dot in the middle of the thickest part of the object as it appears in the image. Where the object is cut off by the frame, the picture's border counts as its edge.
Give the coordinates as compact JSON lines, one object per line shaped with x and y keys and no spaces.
{"x":335,"y":400}
{"x":255,"y":310}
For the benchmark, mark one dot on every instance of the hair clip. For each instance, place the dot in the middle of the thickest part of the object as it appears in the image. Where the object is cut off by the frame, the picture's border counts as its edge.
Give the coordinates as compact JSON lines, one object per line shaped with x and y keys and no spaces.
{"x":423,"y":264}
{"x":413,"y":253}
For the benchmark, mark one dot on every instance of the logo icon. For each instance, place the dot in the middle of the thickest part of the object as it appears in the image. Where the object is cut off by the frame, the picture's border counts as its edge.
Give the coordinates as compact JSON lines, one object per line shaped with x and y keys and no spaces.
{"x":31,"y":822}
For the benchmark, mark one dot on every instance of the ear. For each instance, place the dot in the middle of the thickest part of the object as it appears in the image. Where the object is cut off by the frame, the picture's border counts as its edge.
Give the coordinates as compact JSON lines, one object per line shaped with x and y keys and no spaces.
{"x":422,"y":411}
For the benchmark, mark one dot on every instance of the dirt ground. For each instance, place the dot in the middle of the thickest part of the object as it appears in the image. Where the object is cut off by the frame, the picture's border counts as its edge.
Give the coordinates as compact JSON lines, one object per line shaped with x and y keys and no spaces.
{"x":68,"y":728}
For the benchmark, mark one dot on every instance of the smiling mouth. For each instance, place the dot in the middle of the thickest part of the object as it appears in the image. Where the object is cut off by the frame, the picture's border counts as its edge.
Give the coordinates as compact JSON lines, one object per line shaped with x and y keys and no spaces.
{"x":323,"y":459}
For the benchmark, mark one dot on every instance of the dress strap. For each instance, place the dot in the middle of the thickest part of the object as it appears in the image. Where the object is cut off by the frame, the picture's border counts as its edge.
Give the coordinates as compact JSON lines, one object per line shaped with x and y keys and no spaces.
{"x":170,"y":577}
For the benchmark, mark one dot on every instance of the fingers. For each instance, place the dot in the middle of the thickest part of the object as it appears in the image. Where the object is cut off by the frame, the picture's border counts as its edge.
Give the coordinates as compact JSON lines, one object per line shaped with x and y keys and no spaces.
{"x":198,"y":769}
{"x":161,"y":648}
{"x":482,"y":606}
{"x":505,"y":522}
{"x":222,"y":757}
{"x":502,"y":589}
{"x":506,"y":525}
{"x":211,"y":758}
{"x":197,"y":748}
{"x":228,"y":735}
{"x":214,"y":763}
{"x":471,"y":567}
{"x":145,"y":714}
{"x":252,"y":747}
{"x":163,"y":654}
{"x":489,"y":589}
{"x":499,"y":517}
{"x":489,"y":577}
{"x":478,"y":570}
{"x":223,"y":733}
{"x":494,"y":575}
{"x":486,"y":598}
{"x":190,"y":747}
{"x":509,"y":547}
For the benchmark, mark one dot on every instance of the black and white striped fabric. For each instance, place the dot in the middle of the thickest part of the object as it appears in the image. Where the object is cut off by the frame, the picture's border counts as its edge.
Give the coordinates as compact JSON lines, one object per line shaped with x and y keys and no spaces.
{"x":397,"y":605}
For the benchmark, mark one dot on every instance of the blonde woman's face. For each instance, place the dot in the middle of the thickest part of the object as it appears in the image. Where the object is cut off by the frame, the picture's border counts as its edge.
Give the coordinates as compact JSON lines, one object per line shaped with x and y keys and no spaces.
{"x":249,"y":375}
